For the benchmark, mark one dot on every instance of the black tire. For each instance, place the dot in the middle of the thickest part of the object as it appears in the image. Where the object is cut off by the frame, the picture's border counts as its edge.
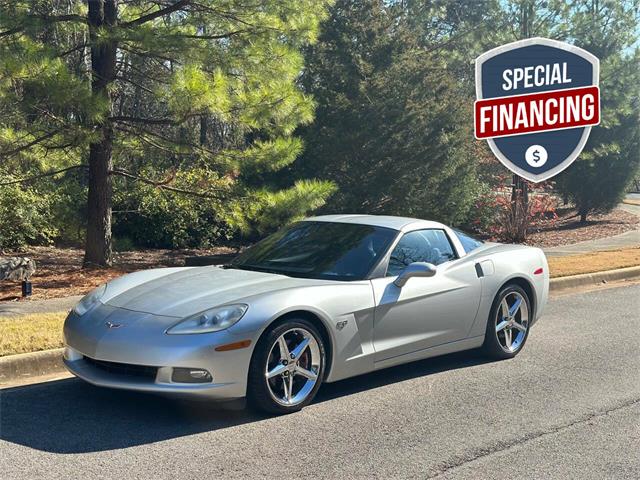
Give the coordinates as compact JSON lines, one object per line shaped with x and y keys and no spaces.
{"x":259,"y":396}
{"x":492,"y":346}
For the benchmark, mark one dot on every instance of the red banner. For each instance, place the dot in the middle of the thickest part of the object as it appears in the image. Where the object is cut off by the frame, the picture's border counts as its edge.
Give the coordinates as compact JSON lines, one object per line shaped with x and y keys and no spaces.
{"x":537,"y":112}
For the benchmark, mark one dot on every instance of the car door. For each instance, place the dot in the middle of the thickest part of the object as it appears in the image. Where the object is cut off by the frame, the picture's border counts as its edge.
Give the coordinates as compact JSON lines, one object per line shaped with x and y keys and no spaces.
{"x":425,"y":312}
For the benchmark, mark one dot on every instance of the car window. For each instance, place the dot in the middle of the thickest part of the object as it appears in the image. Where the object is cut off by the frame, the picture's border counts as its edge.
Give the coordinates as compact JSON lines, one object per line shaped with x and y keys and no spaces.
{"x":468,"y":242}
{"x":432,"y":246}
{"x":327,"y":250}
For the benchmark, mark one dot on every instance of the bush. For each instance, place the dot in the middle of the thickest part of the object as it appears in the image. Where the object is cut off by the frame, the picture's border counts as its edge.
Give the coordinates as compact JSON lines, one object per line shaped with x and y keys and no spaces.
{"x":597,"y":182}
{"x":25,"y":217}
{"x":153,"y":218}
{"x":69,"y":206}
{"x":508,"y":220}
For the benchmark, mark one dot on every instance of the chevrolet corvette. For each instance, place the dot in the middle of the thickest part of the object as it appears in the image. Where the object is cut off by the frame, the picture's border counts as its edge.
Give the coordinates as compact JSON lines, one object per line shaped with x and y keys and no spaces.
{"x":321,"y":300}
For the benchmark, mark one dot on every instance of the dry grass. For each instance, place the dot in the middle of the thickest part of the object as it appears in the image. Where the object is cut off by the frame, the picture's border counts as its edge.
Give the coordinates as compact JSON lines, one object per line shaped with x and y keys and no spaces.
{"x":30,"y":333}
{"x":594,"y":262}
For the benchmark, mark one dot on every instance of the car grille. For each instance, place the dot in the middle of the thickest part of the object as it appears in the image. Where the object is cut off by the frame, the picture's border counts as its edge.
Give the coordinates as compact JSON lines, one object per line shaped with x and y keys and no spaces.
{"x":127,"y":369}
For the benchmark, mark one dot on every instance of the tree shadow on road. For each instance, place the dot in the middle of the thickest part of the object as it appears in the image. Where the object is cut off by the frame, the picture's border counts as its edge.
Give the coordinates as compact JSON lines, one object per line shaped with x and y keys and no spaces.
{"x":71,"y":416}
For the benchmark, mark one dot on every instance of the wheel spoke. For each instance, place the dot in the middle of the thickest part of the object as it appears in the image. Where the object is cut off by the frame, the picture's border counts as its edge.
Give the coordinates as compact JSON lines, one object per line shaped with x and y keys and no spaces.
{"x":520,"y":327}
{"x":285,"y":388}
{"x":514,"y":308}
{"x":277,"y":370}
{"x":290,"y":389}
{"x":501,"y":326}
{"x":306,"y":373}
{"x":505,"y":308}
{"x":300,"y":348}
{"x":284,"y":349}
{"x":507,"y":337}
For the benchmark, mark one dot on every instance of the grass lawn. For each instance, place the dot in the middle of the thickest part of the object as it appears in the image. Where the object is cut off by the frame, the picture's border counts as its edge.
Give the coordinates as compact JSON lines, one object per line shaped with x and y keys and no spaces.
{"x":594,"y":262}
{"x":30,"y":333}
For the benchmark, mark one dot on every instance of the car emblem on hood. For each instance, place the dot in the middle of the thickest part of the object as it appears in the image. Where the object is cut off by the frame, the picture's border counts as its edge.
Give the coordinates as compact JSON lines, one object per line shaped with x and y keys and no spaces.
{"x":113,"y":325}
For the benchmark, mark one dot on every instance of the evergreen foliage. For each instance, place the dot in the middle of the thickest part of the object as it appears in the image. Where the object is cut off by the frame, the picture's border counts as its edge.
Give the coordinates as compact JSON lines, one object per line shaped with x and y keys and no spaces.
{"x":190,"y":122}
{"x":185,"y":96}
{"x":392,"y":126}
{"x":598,"y":180}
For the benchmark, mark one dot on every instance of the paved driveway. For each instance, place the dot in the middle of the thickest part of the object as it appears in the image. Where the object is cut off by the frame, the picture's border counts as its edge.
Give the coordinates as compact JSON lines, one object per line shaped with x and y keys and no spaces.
{"x":567,"y":407}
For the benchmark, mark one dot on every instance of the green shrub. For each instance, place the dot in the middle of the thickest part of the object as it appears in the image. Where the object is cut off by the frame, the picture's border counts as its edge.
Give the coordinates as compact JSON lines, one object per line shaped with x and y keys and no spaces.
{"x":25,"y":217}
{"x":153,"y":218}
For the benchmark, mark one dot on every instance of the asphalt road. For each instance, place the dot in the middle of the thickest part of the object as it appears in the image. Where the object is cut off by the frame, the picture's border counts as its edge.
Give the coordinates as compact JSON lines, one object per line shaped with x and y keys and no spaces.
{"x":567,"y":407}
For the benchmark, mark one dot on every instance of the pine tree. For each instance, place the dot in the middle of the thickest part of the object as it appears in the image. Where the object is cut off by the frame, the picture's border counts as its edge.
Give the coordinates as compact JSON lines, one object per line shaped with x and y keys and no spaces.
{"x":392,"y":128}
{"x":204,"y":88}
{"x":598,"y":179}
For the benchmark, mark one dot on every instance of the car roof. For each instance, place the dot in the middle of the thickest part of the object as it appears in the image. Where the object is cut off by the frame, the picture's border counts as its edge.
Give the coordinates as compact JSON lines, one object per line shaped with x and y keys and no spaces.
{"x":396,"y":223}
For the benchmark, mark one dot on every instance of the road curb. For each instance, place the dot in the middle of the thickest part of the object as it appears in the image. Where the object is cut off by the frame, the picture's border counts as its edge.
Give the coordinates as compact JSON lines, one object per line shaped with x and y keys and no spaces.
{"x":595,"y":278}
{"x":35,"y":364}
{"x":25,"y":365}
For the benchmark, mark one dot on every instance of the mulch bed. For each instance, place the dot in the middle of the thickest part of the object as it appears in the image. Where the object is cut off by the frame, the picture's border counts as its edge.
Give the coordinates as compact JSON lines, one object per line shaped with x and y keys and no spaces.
{"x":567,"y":229}
{"x":60,"y":273}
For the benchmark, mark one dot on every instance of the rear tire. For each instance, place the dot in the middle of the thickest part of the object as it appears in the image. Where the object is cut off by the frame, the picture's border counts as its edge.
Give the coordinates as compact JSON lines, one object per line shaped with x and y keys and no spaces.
{"x":508,"y":324}
{"x":287,"y":367}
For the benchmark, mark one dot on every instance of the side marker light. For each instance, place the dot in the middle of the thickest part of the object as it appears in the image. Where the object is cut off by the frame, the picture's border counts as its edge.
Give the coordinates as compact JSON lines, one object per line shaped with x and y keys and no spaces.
{"x":233,"y":346}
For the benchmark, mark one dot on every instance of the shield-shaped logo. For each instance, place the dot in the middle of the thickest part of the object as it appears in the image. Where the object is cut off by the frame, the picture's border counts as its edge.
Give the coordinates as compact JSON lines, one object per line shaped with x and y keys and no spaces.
{"x":537,"y":100}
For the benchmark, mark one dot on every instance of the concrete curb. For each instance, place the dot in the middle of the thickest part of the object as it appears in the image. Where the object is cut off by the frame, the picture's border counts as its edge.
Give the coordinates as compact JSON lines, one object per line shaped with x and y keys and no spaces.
{"x":25,"y":365}
{"x":35,"y":364}
{"x":595,"y":278}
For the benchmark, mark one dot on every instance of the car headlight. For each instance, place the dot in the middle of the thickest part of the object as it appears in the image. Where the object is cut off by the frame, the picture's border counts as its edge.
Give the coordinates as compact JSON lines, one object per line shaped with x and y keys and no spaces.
{"x":89,"y":300}
{"x":209,"y":321}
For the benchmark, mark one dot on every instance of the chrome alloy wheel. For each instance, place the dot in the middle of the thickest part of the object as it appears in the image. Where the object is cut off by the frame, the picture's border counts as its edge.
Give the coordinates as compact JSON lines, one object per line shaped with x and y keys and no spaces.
{"x":512,"y":321}
{"x":292,"y":366}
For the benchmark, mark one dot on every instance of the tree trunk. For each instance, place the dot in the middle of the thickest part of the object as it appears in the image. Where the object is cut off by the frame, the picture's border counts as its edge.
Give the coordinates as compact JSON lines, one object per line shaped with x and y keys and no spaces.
{"x":98,"y":241}
{"x":203,"y":130}
{"x":102,"y":14}
{"x":519,"y":193}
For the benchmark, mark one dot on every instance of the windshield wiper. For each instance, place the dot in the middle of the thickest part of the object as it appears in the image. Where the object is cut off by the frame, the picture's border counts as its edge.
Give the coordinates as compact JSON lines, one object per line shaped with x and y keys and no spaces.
{"x":254,"y":268}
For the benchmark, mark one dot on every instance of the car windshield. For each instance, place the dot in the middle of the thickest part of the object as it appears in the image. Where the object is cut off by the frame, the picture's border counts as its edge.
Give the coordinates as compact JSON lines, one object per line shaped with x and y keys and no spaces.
{"x":335,"y":251}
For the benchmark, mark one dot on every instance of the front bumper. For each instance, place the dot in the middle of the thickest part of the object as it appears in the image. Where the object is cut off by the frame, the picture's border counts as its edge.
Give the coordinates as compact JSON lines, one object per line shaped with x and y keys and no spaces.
{"x":161,"y":383}
{"x":141,"y":343}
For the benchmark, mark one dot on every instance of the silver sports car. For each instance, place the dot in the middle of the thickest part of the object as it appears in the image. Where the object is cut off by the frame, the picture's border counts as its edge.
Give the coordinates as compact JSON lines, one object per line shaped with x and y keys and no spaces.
{"x":321,"y":300}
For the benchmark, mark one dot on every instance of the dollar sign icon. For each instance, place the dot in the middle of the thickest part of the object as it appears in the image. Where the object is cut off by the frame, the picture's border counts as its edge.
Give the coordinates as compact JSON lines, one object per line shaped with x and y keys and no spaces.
{"x":536,"y":155}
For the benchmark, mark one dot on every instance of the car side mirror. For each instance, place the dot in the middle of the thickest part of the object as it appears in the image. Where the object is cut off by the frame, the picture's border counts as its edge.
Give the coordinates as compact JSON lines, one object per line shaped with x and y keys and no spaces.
{"x":415,"y":269}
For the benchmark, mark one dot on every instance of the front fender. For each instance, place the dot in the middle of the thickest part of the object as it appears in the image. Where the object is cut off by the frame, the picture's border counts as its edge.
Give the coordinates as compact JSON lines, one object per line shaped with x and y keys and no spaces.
{"x":345,"y":310}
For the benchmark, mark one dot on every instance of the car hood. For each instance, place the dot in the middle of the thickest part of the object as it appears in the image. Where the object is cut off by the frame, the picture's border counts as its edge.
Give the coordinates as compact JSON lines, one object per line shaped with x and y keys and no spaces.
{"x":180,"y":292}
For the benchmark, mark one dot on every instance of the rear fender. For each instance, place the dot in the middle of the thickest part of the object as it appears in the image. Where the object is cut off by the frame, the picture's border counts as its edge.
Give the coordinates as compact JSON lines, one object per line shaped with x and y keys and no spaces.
{"x":502,"y":264}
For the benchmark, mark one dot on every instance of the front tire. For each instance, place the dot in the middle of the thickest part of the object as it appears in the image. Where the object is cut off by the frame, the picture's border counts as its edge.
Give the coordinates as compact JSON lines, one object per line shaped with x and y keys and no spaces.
{"x":287,"y":367}
{"x":508,"y":324}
